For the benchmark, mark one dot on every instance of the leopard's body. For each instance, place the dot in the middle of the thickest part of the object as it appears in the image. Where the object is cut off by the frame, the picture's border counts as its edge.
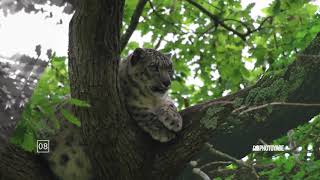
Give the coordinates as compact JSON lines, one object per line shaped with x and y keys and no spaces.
{"x":145,"y":77}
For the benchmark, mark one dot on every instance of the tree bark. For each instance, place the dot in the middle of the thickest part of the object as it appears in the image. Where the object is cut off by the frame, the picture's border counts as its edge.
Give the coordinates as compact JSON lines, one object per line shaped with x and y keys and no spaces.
{"x":94,"y":54}
{"x":118,"y":149}
{"x":17,"y":164}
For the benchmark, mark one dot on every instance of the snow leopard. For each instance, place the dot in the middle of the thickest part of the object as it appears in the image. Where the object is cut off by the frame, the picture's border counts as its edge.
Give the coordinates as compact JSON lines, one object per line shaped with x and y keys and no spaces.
{"x":145,"y":78}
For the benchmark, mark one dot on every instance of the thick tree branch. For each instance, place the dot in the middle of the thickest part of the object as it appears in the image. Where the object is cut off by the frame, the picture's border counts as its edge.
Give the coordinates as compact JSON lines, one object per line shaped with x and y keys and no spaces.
{"x":235,"y":134}
{"x":133,"y":24}
{"x":18,"y":164}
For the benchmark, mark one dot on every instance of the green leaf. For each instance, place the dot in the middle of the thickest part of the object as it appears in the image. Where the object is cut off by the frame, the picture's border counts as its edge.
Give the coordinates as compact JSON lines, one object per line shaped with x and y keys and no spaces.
{"x":29,"y":141}
{"x":78,"y":102}
{"x":70,"y":117}
{"x":288,"y":166}
{"x":299,"y":175}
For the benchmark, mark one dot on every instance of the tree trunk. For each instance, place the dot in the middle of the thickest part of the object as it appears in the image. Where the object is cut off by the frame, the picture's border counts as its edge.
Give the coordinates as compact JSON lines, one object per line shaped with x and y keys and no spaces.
{"x":118,"y":149}
{"x":94,"y":54}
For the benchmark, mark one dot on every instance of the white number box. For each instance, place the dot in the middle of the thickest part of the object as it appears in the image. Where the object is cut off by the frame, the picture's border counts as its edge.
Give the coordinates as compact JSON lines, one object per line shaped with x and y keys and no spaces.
{"x":43,"y":146}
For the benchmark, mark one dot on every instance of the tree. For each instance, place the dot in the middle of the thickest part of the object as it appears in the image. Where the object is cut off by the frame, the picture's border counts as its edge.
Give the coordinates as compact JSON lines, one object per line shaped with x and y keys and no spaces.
{"x":285,"y":97}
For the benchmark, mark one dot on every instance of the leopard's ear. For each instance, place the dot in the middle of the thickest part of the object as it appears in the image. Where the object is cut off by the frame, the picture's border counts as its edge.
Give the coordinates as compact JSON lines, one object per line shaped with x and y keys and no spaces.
{"x":168,"y":55}
{"x":137,"y":55}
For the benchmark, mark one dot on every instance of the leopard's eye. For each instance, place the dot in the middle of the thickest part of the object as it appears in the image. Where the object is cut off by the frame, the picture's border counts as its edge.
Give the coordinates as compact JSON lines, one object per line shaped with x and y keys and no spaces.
{"x":153,"y":67}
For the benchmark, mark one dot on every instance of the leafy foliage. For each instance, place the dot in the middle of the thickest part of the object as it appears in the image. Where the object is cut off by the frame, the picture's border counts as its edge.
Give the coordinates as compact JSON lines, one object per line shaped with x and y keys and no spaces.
{"x":298,"y":162}
{"x":43,"y":114}
{"x":210,"y":61}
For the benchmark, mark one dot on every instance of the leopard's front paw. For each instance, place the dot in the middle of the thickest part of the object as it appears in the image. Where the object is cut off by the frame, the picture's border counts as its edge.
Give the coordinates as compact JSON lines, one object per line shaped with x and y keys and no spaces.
{"x":170,"y":118}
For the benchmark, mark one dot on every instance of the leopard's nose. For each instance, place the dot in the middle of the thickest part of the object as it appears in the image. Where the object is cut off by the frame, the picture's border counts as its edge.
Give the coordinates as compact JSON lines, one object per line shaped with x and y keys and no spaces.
{"x":166,"y":83}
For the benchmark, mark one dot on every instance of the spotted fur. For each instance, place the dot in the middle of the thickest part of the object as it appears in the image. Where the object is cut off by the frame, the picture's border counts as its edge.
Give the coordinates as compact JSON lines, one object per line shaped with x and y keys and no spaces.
{"x":145,"y":77}
{"x":67,"y":158}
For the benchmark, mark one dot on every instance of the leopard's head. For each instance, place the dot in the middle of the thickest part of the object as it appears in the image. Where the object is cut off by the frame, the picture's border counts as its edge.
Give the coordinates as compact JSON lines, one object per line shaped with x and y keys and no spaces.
{"x":152,"y":70}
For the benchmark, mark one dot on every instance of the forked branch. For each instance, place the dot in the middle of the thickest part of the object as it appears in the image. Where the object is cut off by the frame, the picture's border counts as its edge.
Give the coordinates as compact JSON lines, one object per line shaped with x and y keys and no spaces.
{"x":133,"y":24}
